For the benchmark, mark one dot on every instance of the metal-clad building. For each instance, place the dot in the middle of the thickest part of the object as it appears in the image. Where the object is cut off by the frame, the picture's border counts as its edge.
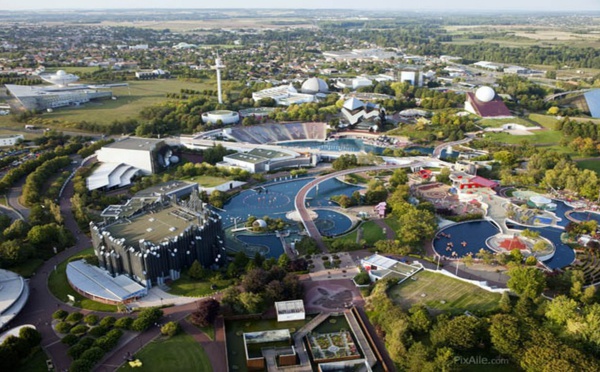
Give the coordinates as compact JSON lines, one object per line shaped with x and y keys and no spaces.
{"x":160,"y":240}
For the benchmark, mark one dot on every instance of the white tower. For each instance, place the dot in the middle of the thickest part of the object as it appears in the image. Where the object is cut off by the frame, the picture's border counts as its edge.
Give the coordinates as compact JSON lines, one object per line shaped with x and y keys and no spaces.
{"x":218,"y":66}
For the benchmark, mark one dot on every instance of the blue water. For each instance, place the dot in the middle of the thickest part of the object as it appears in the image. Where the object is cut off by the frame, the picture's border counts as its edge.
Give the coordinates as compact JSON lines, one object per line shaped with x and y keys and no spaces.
{"x":429,"y":151}
{"x":336,"y":223}
{"x":586,"y":216}
{"x":267,"y":240}
{"x":474,"y":233}
{"x":563,"y":256}
{"x":341,"y":144}
{"x":327,"y":189}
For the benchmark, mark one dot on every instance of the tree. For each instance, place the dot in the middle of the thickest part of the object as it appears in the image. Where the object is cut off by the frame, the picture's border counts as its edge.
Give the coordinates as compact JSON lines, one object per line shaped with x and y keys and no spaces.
{"x":461,"y":333}
{"x":196,"y":271}
{"x":206,"y":312}
{"x":504,"y":303}
{"x":170,"y":329}
{"x":254,"y":280}
{"x":399,"y":177}
{"x":30,"y":336}
{"x":420,"y":320}
{"x":283,"y":261}
{"x":528,"y":282}
{"x":561,"y":309}
{"x":252,"y":302}
{"x":506,"y":335}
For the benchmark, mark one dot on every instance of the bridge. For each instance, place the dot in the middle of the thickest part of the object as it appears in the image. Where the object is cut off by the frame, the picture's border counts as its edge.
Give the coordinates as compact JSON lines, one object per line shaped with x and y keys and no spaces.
{"x":300,"y":199}
{"x":437,"y":152}
{"x":552,"y":97}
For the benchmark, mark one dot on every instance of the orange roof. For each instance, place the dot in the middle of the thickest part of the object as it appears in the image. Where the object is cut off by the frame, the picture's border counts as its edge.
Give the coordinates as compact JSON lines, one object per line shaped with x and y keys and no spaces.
{"x":513,"y":243}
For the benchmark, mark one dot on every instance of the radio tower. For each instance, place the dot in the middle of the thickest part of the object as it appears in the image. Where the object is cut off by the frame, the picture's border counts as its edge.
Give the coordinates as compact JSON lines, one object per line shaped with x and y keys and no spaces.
{"x":218,"y":66}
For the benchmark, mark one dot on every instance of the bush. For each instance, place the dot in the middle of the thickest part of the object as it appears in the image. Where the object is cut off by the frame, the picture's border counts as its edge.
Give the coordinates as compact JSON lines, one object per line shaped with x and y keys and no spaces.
{"x":81,"y":365}
{"x":530,"y":261}
{"x":146,"y":318}
{"x":124,"y":323}
{"x":60,"y":314}
{"x":70,"y":340}
{"x":80,"y":329}
{"x":74,"y":317}
{"x":362,"y":278}
{"x":205,"y":313}
{"x":107,"y":321}
{"x":98,"y":331}
{"x":31,"y":336}
{"x":93,"y":354}
{"x":170,"y":329}
{"x":77,"y":350}
{"x":91,"y":319}
{"x":63,"y":327}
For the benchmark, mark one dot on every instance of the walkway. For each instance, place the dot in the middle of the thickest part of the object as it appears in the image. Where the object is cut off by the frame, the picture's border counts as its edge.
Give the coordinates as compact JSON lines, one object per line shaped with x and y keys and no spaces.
{"x":437,"y":152}
{"x":390,"y":234}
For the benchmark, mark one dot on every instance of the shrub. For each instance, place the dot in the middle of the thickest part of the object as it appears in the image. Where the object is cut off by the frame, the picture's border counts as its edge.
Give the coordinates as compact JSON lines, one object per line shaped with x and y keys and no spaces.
{"x":530,"y":261}
{"x":81,"y":365}
{"x":77,"y":350}
{"x":80,"y":329}
{"x":205,"y":313}
{"x":124,"y":323}
{"x":362,"y":278}
{"x":108,"y":321}
{"x":70,"y":340}
{"x":63,"y":327}
{"x":60,"y":314}
{"x":31,"y":336}
{"x":98,"y":331}
{"x":146,"y":318}
{"x":74,"y":317}
{"x":91,"y":319}
{"x":170,"y":329}
{"x":93,"y":354}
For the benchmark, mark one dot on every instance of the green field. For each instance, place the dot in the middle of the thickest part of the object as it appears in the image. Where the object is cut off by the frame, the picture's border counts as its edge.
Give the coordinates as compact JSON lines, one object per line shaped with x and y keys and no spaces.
{"x":545,"y":121}
{"x":538,"y":137}
{"x":130,"y":101}
{"x":590,"y":164}
{"x":179,"y":353}
{"x":458,"y":296}
{"x":209,"y":181}
{"x":60,"y":287}
{"x":372,"y":233}
{"x":186,"y":286}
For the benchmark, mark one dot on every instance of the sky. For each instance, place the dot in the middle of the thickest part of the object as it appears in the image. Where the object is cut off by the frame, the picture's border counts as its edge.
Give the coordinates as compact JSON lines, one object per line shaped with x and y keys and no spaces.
{"x":545,"y":5}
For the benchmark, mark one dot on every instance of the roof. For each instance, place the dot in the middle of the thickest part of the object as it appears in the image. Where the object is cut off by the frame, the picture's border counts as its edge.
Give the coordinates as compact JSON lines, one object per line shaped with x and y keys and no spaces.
{"x":353,"y":104}
{"x":246,"y":157}
{"x":133,"y":143}
{"x":513,"y":243}
{"x":481,"y":181}
{"x":97,"y":282}
{"x":289,"y":307}
{"x":267,"y":153}
{"x":493,"y":108}
{"x":592,"y":99}
{"x":167,"y":188}
{"x":11,"y":288}
{"x":111,"y":175}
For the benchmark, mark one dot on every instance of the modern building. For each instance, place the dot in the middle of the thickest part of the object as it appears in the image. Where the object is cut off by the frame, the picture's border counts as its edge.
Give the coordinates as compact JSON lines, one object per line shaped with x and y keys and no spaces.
{"x":379,"y":267}
{"x":14,"y":292}
{"x":354,"y":83}
{"x":129,"y":157}
{"x":275,"y":133}
{"x":588,"y":102}
{"x":412,"y":77}
{"x":355,"y":111}
{"x":151,"y":241}
{"x":51,"y":97}
{"x":314,"y":85}
{"x":486,"y":104}
{"x":60,"y":78}
{"x":284,"y":95}
{"x":226,"y":117}
{"x":11,"y":139}
{"x":260,"y":160}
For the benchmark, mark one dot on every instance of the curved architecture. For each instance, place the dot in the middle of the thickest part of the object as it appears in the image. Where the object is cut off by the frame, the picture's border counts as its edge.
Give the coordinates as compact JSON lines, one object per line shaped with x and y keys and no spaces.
{"x":225,"y":116}
{"x":14,"y":292}
{"x":314,"y":85}
{"x":60,"y":78}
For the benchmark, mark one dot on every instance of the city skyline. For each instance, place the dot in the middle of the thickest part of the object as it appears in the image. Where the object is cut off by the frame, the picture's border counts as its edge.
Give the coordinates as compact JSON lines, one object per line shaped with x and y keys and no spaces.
{"x":459,"y":5}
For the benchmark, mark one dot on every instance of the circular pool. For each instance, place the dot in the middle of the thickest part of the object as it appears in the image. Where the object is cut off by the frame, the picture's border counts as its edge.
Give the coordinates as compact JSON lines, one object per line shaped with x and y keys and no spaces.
{"x":332,"y":223}
{"x":464,"y":238}
{"x":266,"y":244}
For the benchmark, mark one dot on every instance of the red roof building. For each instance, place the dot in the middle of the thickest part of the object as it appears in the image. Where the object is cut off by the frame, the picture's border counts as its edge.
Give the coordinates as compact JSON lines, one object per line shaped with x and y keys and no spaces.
{"x":493,"y":108}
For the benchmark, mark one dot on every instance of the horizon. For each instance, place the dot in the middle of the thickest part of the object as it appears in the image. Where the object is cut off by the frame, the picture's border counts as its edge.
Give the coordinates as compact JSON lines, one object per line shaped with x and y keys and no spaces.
{"x":574,"y":6}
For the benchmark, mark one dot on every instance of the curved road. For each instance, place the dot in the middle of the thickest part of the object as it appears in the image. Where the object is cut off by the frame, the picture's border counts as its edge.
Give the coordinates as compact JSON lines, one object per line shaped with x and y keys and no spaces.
{"x":300,"y":200}
{"x":437,"y":151}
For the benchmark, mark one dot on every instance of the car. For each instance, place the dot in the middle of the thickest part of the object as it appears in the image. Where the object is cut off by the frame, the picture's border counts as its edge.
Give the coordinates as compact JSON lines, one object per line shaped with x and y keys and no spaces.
{"x":49,"y":364}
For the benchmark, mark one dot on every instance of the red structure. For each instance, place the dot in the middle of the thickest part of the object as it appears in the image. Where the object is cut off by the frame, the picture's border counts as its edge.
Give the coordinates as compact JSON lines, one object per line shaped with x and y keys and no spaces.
{"x":513,"y":243}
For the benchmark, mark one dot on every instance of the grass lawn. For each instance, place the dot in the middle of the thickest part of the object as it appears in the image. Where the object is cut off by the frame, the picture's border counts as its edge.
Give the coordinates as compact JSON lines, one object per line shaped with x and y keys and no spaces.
{"x":458,"y":296}
{"x":60,"y":287}
{"x":186,"y":286}
{"x":209,"y":181}
{"x":179,"y":353}
{"x":538,"y":136}
{"x":589,"y":164}
{"x":393,"y":223}
{"x":35,"y":362}
{"x":130,"y":101}
{"x":372,"y":232}
{"x":495,"y":123}
{"x":545,"y":121}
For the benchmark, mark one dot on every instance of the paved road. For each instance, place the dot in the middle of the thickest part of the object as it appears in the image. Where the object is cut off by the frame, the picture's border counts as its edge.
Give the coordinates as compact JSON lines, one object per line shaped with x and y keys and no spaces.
{"x":12,"y":196}
{"x":438,"y":149}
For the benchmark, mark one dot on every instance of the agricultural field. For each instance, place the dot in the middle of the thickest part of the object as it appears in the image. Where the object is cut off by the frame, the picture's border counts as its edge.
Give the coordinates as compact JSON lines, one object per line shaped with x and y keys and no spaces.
{"x":442,"y":293}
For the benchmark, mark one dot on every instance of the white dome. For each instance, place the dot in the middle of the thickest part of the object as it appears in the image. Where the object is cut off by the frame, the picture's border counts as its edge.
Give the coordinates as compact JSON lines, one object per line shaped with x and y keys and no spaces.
{"x":259,"y":223}
{"x":314,"y":85}
{"x":485,"y":94}
{"x":61,"y":73}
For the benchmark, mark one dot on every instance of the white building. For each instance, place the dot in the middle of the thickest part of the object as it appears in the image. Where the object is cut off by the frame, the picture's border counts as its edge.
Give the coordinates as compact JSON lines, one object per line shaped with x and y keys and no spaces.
{"x":225,"y":116}
{"x":290,"y":310}
{"x":413,"y":77}
{"x":353,"y":84}
{"x":284,"y":95}
{"x":11,"y":139}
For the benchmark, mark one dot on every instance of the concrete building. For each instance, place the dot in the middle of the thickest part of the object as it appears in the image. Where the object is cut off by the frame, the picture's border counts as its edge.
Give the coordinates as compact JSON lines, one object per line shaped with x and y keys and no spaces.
{"x":486,"y":103}
{"x":152,"y":241}
{"x":11,"y":139}
{"x":290,"y":310}
{"x":354,"y":83}
{"x":14,"y":292}
{"x":225,"y":116}
{"x":260,"y":160}
{"x":44,"y":97}
{"x":124,"y":159}
{"x":284,"y":95}
{"x":355,"y":111}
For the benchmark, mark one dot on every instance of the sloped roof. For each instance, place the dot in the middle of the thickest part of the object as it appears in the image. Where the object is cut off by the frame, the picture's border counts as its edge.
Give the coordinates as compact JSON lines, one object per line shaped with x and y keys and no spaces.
{"x":592,"y":99}
{"x":483,"y":182}
{"x":493,"y":108}
{"x":513,"y":243}
{"x":353,"y":104}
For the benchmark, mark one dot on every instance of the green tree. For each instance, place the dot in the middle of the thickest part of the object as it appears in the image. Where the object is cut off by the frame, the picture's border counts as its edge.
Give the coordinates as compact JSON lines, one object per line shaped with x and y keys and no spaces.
{"x":528,"y":282}
{"x":460,"y":333}
{"x":170,"y":329}
{"x":196,"y":271}
{"x":252,"y":302}
{"x":561,"y":309}
{"x":506,"y":334}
